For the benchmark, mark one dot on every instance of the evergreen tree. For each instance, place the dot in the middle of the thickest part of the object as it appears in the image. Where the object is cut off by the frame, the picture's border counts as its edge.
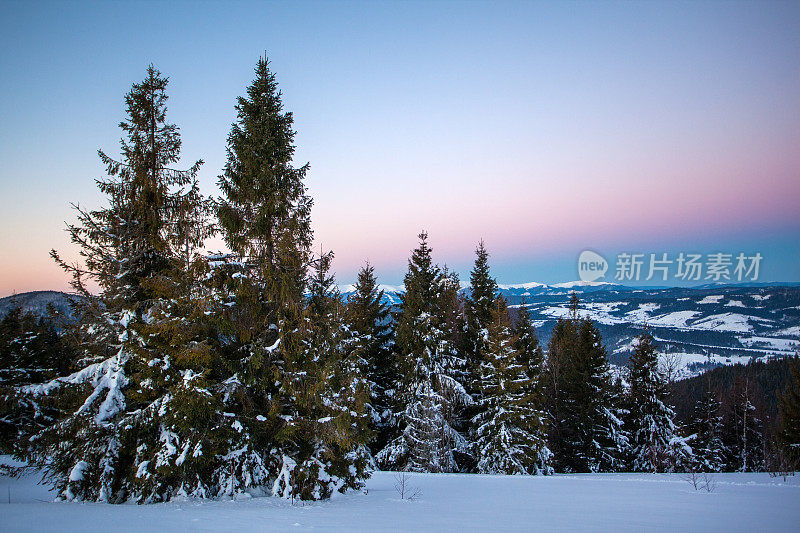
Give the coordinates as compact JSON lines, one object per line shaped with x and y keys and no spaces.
{"x":450,"y":306}
{"x":479,"y":313}
{"x":562,"y":344}
{"x":429,"y":389}
{"x":707,"y":445}
{"x":415,"y":319}
{"x":483,"y":289}
{"x":129,"y":241}
{"x":372,"y":342}
{"x":510,"y":437}
{"x":480,"y":304}
{"x":143,"y":343}
{"x":527,"y":344}
{"x":265,"y":212}
{"x":748,"y":430}
{"x":574,"y":305}
{"x":327,"y":422}
{"x":655,"y":443}
{"x":459,"y":404}
{"x":585,"y":430}
{"x":789,"y":410}
{"x":592,"y":436}
{"x":291,"y":350}
{"x":265,"y":218}
{"x":532,"y":359}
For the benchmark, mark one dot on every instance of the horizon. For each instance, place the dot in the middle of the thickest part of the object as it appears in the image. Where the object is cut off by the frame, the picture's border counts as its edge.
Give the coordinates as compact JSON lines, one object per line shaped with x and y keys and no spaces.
{"x":528,"y":285}
{"x":544,"y":129}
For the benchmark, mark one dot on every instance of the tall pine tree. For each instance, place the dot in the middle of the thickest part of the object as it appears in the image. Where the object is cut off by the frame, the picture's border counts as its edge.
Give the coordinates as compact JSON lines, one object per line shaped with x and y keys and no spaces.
{"x":479,"y":312}
{"x":288,"y":347}
{"x":655,"y":443}
{"x":509,"y":429}
{"x":562,"y":338}
{"x":708,"y":448}
{"x":747,"y":428}
{"x":592,"y":436}
{"x":426,"y":358}
{"x":527,"y":343}
{"x":372,"y":344}
{"x":144,"y":397}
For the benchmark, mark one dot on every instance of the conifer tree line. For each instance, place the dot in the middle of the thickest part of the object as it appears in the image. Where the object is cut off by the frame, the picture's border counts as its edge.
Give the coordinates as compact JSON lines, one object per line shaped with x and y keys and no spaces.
{"x":744,"y":417}
{"x":209,"y":375}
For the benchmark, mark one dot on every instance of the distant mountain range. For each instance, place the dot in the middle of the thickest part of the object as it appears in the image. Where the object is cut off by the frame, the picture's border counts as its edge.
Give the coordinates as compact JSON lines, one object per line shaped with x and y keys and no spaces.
{"x":699,"y":327}
{"x":391,"y":293}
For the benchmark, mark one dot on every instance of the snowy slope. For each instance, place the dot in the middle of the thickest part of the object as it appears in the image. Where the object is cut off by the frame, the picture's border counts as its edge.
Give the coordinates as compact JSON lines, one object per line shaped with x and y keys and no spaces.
{"x":705,"y":327}
{"x":449,"y":502}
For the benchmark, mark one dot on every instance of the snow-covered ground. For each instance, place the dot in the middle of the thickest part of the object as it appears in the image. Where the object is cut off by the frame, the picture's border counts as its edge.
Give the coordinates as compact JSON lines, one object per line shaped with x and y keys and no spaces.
{"x":680,"y":362}
{"x":598,"y":313}
{"x":448,"y":502}
{"x":728,"y":322}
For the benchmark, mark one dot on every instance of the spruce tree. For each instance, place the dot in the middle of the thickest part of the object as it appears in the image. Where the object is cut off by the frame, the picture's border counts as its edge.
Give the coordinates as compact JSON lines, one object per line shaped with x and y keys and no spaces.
{"x":707,"y":445}
{"x":592,"y":436}
{"x":562,"y":344}
{"x":574,"y":305}
{"x":415,"y":319}
{"x":428,"y":364}
{"x":483,"y":290}
{"x":527,"y":344}
{"x":450,"y":305}
{"x":127,"y":242}
{"x":290,"y":349}
{"x":372,"y":343}
{"x":509,"y":429}
{"x":139,"y":407}
{"x":655,"y":443}
{"x":585,"y":429}
{"x":455,"y":380}
{"x":479,"y":309}
{"x":327,"y":421}
{"x":748,"y":430}
{"x":265,"y":211}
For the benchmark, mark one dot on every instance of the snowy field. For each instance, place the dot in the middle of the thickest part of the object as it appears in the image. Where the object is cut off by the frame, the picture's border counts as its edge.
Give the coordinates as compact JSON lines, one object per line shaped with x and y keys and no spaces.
{"x":448,"y":502}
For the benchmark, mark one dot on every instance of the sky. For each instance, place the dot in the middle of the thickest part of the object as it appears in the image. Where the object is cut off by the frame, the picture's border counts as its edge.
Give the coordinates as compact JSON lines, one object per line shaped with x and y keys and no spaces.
{"x":543,"y":128}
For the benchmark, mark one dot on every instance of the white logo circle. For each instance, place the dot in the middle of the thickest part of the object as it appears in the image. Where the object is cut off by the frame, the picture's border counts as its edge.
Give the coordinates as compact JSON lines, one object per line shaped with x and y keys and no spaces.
{"x":591,"y":266}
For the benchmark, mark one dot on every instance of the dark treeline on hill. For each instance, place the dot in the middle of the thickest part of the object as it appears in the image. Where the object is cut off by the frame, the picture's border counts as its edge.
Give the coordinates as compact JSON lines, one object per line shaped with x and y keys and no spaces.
{"x":55,"y":304}
{"x":198,"y":375}
{"x":751,"y":410}
{"x":31,"y":351}
{"x":767,"y":379}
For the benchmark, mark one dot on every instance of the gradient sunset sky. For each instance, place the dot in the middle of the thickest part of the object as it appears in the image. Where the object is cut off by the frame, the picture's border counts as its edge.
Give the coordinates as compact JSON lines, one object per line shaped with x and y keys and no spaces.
{"x":543,"y":128}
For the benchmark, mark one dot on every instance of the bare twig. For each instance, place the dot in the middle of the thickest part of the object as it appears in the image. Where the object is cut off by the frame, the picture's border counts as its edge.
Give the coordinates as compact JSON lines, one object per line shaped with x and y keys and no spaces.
{"x":700,"y":481}
{"x":404,"y":489}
